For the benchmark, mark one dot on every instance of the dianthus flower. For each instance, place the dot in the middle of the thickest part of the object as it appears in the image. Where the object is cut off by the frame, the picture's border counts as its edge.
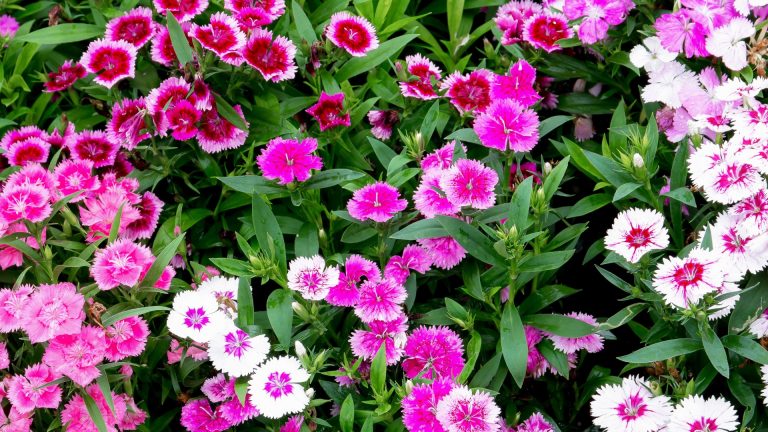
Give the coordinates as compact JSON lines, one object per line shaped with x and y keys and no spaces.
{"x":65,"y":76}
{"x":366,"y":343}
{"x":347,"y":291}
{"x":424,"y":71}
{"x":311,"y":278}
{"x":53,"y":310}
{"x":470,"y":183}
{"x":507,"y":125}
{"x":636,"y":232}
{"x":630,"y":406}
{"x":126,"y":338}
{"x":275,"y":387}
{"x":287,"y":160}
{"x":354,"y":34}
{"x":77,"y":355}
{"x":433,"y":352}
{"x":135,"y":27}
{"x":111,"y":61}
{"x":380,"y":300}
{"x":463,"y":410}
{"x":685,"y":281}
{"x":274,"y":58}
{"x":120,"y":263}
{"x":378,"y":201}
{"x":420,"y":405}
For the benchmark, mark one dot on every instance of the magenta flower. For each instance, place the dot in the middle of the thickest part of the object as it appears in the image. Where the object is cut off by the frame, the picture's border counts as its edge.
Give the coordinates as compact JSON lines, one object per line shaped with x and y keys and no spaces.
{"x":380,"y":300}
{"x":518,"y":85}
{"x":75,"y":176}
{"x":293,"y":424}
{"x":506,"y":125}
{"x":217,"y":134}
{"x":424,"y":71}
{"x":543,"y":30}
{"x":120,"y":263}
{"x":126,"y":338}
{"x":182,"y":10}
{"x":592,"y":343}
{"x":134,"y":416}
{"x":441,"y":158}
{"x":383,"y":121}
{"x":24,"y":201}
{"x":65,"y":76}
{"x":287,"y":160}
{"x":100,"y":210}
{"x":197,"y":415}
{"x":463,"y":410}
{"x":329,"y":111}
{"x":470,"y":183}
{"x":354,"y":34}
{"x":420,"y":405}
{"x":31,"y":150}
{"x":128,"y":125}
{"x":17,"y":135}
{"x":378,"y":201}
{"x":598,"y":15}
{"x":537,"y":365}
{"x":219,"y":388}
{"x":274,"y":58}
{"x":111,"y":61}
{"x":77,"y":418}
{"x":433,"y":352}
{"x":471,"y":92}
{"x":135,"y":27}
{"x":94,"y":146}
{"x":414,"y":257}
{"x":445,"y":252}
{"x":429,"y":199}
{"x":77,"y":355}
{"x":366,"y":343}
{"x":347,"y":291}
{"x":221,"y":35}
{"x":149,"y":209}
{"x":255,"y":13}
{"x":511,"y":17}
{"x":683,"y":31}
{"x":237,"y":413}
{"x":162,"y":50}
{"x":182,"y":120}
{"x":8,"y":26}
{"x":201,"y":95}
{"x":26,"y":392}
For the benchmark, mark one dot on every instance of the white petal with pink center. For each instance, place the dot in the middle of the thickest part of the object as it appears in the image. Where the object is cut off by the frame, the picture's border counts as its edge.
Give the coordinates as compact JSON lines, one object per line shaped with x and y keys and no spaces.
{"x":685,"y":281}
{"x":636,"y":232}
{"x":196,"y":316}
{"x":630,"y":407}
{"x":694,"y":413}
{"x":275,"y":387}
{"x":236,"y":353}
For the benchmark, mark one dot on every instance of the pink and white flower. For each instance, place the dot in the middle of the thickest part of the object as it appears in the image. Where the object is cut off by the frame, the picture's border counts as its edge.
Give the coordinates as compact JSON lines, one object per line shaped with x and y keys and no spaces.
{"x":274,"y":58}
{"x":182,"y":10}
{"x":216,"y":134}
{"x":235,"y":353}
{"x":24,"y":202}
{"x":275,"y":387}
{"x":636,"y":232}
{"x":592,"y":343}
{"x":366,"y":343}
{"x":424,"y":71}
{"x":94,"y":146}
{"x":128,"y":125}
{"x":463,"y":410}
{"x":630,"y":406}
{"x":221,"y":35}
{"x":111,"y":61}
{"x":471,"y":92}
{"x":470,"y":183}
{"x":685,"y":281}
{"x":311,"y":278}
{"x":543,"y":30}
{"x":135,"y":27}
{"x":695,"y":413}
{"x":196,"y":315}
{"x":354,"y":34}
{"x":380,"y":300}
{"x":65,"y":76}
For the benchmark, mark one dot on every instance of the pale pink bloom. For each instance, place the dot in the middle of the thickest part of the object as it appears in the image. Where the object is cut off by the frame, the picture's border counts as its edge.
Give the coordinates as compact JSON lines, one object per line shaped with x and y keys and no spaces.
{"x":511,"y":17}
{"x":133,"y":417}
{"x":24,"y":202}
{"x":734,"y":89}
{"x":507,"y":125}
{"x":433,"y":352}
{"x":13,"y":307}
{"x":17,"y":422}
{"x":470,"y":183}
{"x":424,"y":71}
{"x":275,"y":387}
{"x":75,"y":176}
{"x":378,"y":202}
{"x":463,"y":410}
{"x":597,"y":16}
{"x":126,"y":338}
{"x":695,"y":413}
{"x":630,"y":406}
{"x":380,"y":300}
{"x":543,"y":30}
{"x":75,"y":414}
{"x":682,"y":31}
{"x":8,"y":26}
{"x":274,"y":58}
{"x":383,"y":121}
{"x":471,"y":92}
{"x":237,"y":413}
{"x":26,"y":392}
{"x":740,"y":253}
{"x":181,"y":10}
{"x":668,"y":83}
{"x":414,"y":257}
{"x":329,"y":111}
{"x":446,"y":252}
{"x":217,"y":134}
{"x":235,"y":353}
{"x":685,"y":281}
{"x":592,"y":343}
{"x":287,"y":160}
{"x":347,"y":292}
{"x":111,"y":61}
{"x":753,"y":214}
{"x":429,"y":199}
{"x":135,"y":27}
{"x":727,"y":43}
{"x":636,"y":232}
{"x":354,"y":34}
{"x":149,"y":209}
{"x":182,"y":120}
{"x":441,"y":158}
{"x":30,"y":150}
{"x":518,"y":85}
{"x":219,"y":388}
{"x":311,"y":278}
{"x":420,"y":405}
{"x":100,"y":210}
{"x":221,"y":35}
{"x":198,"y":416}
{"x":94,"y":146}
{"x":53,"y":310}
{"x":175,"y":352}
{"x":77,"y":355}
{"x":366,"y":343}
{"x":535,"y":423}
{"x":120,"y":263}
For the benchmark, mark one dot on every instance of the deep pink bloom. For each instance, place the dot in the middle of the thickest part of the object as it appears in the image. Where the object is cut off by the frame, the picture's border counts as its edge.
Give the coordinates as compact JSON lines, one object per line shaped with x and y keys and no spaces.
{"x":293,"y":424}
{"x":164,"y":98}
{"x":378,"y":201}
{"x":471,"y":92}
{"x":274,"y":58}
{"x":366,"y":343}
{"x":182,"y":120}
{"x":134,"y":416}
{"x":445,"y":252}
{"x":128,"y":125}
{"x":26,"y":392}
{"x":13,"y":306}
{"x":598,"y":16}
{"x":414,"y":257}
{"x":31,"y":150}
{"x":162,"y":48}
{"x":221,"y":35}
{"x":217,"y":134}
{"x":682,"y":31}
{"x":511,"y":17}
{"x":135,"y":27}
{"x":198,"y":416}
{"x":380,"y":300}
{"x":94,"y":146}
{"x":32,"y":175}
{"x":383,"y":121}
{"x":433,"y":352}
{"x":75,"y":176}
{"x":24,"y":201}
{"x":149,"y":209}
{"x":287,"y":160}
{"x":183,"y":10}
{"x":424,"y":71}
{"x":65,"y":76}
{"x":126,"y":338}
{"x":8,"y":26}
{"x":77,"y":355}
{"x":507,"y":125}
{"x":441,"y":158}
{"x":470,"y":183}
{"x":543,"y":30}
{"x":518,"y":85}
{"x":120,"y":263}
{"x":429,"y":199}
{"x":420,"y":405}
{"x":201,"y":95}
{"x":23,"y":133}
{"x":347,"y":292}
{"x":329,"y":111}
{"x":354,"y":34}
{"x":16,"y":421}
{"x":111,"y":61}
{"x":219,"y":388}
{"x":238,"y":413}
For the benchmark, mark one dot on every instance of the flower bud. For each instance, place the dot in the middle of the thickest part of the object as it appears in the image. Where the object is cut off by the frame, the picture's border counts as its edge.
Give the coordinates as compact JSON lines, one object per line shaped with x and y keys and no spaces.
{"x":547,"y":168}
{"x":301,"y":351}
{"x":637,"y":161}
{"x":310,"y":392}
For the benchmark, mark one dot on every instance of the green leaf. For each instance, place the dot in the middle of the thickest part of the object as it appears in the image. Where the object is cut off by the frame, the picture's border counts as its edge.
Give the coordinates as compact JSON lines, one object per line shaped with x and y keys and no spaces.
{"x":179,"y":41}
{"x":521,"y":204}
{"x":62,"y":33}
{"x":556,"y":358}
{"x":356,"y":233}
{"x":233,"y":266}
{"x":268,"y":232}
{"x":455,"y":8}
{"x":560,"y":325}
{"x":623,"y":316}
{"x":331,"y":177}
{"x":746,"y":347}
{"x":425,"y":228}
{"x":625,"y":190}
{"x":683,"y":195}
{"x":241,"y":390}
{"x":251,"y":184}
{"x":466,"y":135}
{"x":103,"y":382}
{"x":307,"y":241}
{"x":589,"y":204}
{"x":303,"y":25}
{"x":471,"y":239}
{"x":225,"y":110}
{"x":545,"y":261}
{"x":347,"y":413}
{"x":714,"y":349}
{"x":379,"y":371}
{"x":741,"y":390}
{"x":551,"y":123}
{"x":383,"y":152}
{"x":554,"y":178}
{"x":471,"y":275}
{"x":663,"y":351}
{"x":114,"y":230}
{"x":514,"y":346}
{"x":108,"y":319}
{"x":244,"y":303}
{"x":429,"y":123}
{"x":474,"y":346}
{"x":584,"y":103}
{"x":544,"y":297}
{"x":94,"y":412}
{"x":162,"y":260}
{"x":618,"y":121}
{"x":359,"y":65}
{"x":280,"y":314}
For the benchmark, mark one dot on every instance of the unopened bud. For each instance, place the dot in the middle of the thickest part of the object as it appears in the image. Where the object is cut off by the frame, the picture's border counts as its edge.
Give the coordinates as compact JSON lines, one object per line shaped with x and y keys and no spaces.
{"x":547,"y":168}
{"x":638,"y":161}
{"x":301,"y":351}
{"x":408,"y":387}
{"x":310,"y":392}
{"x":579,"y":85}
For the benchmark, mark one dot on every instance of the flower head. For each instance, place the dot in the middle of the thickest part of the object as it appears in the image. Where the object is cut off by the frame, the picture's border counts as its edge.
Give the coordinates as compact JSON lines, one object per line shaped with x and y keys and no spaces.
{"x":219,"y":388}
{"x":425,"y":71}
{"x":27,"y":392}
{"x":354,"y":34}
{"x":695,"y":413}
{"x":543,"y":30}
{"x":380,"y":300}
{"x":120,"y":263}
{"x":182,"y":120}
{"x":414,"y":257}
{"x":65,"y":76}
{"x":445,"y":252}
{"x":195,"y":315}
{"x":592,"y":343}
{"x":636,"y":232}
{"x":430,"y":200}
{"x":465,"y":411}
{"x":470,"y":183}
{"x":366,"y":343}
{"x":126,"y":338}
{"x":311,"y":278}
{"x":329,"y":111}
{"x":506,"y":125}
{"x":287,"y":160}
{"x":382,"y":121}
{"x":221,"y":35}
{"x":8,"y":26}
{"x":77,"y":355}
{"x":683,"y":31}
{"x":535,"y":423}
{"x":182,"y":10}
{"x":31,"y":150}
{"x":378,"y":202}
{"x":511,"y":17}
{"x":347,"y":291}
{"x":235,"y":353}
{"x":216,"y":134}
{"x":420,"y":405}
{"x":135,"y":27}
{"x":274,"y":58}
{"x":471,"y":92}
{"x":433,"y":352}
{"x":197,"y":415}
{"x":685,"y":281}
{"x":275,"y":387}
{"x":630,"y":406}
{"x":94,"y":146}
{"x":51,"y":311}
{"x":111,"y":61}
{"x":518,"y":85}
